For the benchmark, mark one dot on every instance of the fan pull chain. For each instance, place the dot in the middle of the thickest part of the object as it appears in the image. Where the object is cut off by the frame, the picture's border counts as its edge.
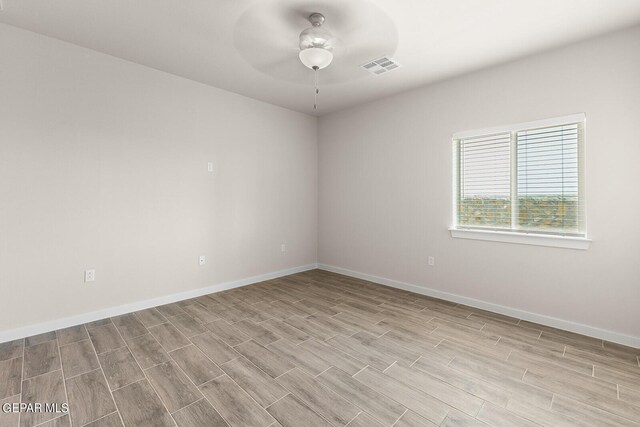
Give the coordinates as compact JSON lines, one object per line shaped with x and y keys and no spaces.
{"x":315,"y":96}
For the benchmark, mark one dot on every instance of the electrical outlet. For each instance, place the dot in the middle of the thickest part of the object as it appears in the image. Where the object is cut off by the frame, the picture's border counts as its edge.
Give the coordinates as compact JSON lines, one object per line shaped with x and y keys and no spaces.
{"x":202,"y":260}
{"x":89,"y":275}
{"x":432,"y":261}
{"x":283,"y":248}
{"x":210,"y":167}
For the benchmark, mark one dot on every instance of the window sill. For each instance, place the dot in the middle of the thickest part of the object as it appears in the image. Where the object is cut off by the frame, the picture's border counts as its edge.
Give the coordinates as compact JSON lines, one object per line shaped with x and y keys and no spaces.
{"x":567,"y":242}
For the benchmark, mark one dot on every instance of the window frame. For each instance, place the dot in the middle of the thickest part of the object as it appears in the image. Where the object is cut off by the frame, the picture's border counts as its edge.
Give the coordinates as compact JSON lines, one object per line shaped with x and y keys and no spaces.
{"x":526,"y":237}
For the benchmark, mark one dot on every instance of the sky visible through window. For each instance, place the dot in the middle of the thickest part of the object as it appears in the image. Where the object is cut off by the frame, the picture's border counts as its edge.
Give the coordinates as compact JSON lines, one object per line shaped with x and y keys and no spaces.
{"x":548,"y":161}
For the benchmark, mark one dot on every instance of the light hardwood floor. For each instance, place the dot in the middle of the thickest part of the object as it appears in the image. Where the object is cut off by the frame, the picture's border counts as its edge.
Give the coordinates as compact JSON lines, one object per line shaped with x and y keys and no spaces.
{"x":319,"y":349}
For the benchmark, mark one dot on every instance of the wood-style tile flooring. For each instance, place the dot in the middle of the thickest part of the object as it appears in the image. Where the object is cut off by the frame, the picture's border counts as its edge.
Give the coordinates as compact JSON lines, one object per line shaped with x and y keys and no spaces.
{"x":319,"y":349}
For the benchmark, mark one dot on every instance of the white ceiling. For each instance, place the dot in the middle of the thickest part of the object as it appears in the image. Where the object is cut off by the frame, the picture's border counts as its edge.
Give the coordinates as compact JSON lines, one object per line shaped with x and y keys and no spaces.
{"x":250,"y":46}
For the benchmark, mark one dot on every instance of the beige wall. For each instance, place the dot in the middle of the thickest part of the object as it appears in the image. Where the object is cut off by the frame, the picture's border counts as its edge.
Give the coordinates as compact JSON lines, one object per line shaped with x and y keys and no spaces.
{"x":103,"y":164}
{"x":385,"y":191}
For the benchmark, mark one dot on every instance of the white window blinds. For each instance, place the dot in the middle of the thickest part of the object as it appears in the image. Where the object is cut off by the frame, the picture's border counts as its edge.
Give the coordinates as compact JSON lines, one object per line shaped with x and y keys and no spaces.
{"x":524,"y":179}
{"x":485,"y":181}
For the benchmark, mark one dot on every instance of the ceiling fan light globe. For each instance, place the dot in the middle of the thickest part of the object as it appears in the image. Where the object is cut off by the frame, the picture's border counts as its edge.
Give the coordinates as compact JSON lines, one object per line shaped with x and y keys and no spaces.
{"x":316,"y":57}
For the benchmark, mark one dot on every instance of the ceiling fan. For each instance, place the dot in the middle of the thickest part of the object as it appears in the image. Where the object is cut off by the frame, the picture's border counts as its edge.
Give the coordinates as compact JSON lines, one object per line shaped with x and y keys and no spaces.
{"x":286,"y":39}
{"x":316,"y":44}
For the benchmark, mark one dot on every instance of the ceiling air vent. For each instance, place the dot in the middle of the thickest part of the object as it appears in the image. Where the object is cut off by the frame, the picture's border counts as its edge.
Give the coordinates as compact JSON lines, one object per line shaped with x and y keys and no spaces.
{"x":381,"y":65}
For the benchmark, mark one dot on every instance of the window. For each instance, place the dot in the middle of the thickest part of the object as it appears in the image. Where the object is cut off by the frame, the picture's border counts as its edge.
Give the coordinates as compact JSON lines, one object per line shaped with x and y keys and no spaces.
{"x":522,"y":183}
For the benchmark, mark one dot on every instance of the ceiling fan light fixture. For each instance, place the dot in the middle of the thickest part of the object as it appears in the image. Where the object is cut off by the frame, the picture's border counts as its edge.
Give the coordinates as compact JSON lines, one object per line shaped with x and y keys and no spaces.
{"x":316,"y":58}
{"x":316,"y":44}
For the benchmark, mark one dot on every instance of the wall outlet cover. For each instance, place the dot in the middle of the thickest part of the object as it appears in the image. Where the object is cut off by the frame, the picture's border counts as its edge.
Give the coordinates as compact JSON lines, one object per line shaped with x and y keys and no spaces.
{"x":89,"y":275}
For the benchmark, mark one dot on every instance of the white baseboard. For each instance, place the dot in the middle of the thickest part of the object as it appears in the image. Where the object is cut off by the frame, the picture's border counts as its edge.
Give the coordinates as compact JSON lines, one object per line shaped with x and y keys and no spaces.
{"x":66,"y":322}
{"x":567,"y":325}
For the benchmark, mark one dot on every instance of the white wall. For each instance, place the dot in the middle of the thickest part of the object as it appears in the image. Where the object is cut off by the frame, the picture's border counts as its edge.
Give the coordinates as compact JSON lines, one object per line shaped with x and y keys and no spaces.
{"x":103,"y":164}
{"x":385,"y":191}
